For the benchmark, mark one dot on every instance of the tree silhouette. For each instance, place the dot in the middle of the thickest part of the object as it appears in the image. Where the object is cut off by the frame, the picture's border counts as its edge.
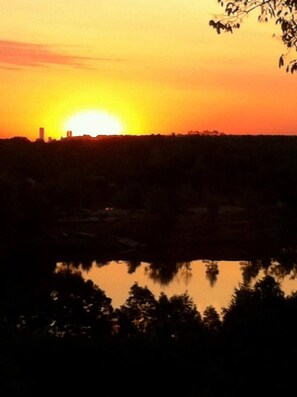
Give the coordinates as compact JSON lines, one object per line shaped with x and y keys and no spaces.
{"x":182,"y":317}
{"x":255,"y":312}
{"x":138,"y":314}
{"x":283,"y":12}
{"x":211,"y":319}
{"x":78,"y":307}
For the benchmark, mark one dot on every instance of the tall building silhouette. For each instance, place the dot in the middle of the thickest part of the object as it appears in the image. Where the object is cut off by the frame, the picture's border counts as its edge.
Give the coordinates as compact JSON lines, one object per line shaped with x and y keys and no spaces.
{"x":69,"y":134}
{"x":41,"y":133}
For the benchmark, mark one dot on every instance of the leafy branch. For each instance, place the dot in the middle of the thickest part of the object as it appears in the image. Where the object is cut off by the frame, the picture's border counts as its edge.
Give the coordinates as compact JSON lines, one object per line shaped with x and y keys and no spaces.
{"x":283,"y":12}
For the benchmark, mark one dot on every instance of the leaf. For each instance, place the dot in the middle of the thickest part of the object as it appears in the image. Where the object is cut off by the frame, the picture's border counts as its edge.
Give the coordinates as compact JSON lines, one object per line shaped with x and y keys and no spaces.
{"x":281,"y":61}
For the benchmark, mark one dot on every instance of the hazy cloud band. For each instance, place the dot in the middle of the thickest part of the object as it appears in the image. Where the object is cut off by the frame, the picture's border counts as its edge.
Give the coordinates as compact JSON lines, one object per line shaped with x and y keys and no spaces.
{"x":16,"y":54}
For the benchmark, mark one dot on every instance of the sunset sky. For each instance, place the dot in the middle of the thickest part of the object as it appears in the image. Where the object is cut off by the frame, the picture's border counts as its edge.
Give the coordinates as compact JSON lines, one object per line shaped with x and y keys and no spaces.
{"x":154,"y":65}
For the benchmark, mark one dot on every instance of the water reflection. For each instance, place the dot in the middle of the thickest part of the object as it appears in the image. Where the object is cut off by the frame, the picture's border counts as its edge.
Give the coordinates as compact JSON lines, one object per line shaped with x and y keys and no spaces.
{"x":208,"y":282}
{"x":212,"y":271}
{"x":164,"y":273}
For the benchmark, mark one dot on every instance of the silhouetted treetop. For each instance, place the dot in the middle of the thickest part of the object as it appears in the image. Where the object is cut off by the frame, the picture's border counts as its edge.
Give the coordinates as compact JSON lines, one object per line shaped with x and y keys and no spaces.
{"x":283,"y":12}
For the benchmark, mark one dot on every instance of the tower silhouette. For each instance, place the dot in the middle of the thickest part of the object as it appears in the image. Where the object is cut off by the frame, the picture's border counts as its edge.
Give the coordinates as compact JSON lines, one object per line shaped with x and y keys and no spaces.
{"x":41,"y":133}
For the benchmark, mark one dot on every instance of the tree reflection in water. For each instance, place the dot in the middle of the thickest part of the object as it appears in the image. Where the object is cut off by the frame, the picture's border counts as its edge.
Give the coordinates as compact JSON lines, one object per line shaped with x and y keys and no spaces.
{"x":174,"y":278}
{"x":163,"y":272}
{"x":282,"y":266}
{"x":211,"y":271}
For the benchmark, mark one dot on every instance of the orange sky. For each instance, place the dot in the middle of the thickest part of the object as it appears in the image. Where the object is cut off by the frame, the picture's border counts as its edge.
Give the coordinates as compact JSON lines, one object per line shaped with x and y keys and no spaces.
{"x":156,"y":65}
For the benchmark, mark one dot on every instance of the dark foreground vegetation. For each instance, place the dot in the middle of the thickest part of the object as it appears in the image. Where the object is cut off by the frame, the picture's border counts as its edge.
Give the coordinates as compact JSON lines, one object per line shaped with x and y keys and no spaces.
{"x":161,"y":198}
{"x":61,"y":335}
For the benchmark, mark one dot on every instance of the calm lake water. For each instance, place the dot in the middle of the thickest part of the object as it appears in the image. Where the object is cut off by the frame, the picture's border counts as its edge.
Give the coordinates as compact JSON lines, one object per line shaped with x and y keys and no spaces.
{"x":206,"y":282}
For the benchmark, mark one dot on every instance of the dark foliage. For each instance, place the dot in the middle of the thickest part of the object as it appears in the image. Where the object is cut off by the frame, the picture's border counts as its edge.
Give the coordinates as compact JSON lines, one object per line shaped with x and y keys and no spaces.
{"x":61,"y":331}
{"x":283,"y":12}
{"x":60,"y":334}
{"x":161,"y":174}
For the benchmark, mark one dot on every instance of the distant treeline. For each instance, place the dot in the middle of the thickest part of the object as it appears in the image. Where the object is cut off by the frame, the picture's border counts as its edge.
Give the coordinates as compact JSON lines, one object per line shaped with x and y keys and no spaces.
{"x":154,"y":173}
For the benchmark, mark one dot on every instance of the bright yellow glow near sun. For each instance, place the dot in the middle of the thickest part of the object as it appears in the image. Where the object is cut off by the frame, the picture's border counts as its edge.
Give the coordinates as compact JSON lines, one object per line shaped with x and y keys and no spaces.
{"x":94,"y":123}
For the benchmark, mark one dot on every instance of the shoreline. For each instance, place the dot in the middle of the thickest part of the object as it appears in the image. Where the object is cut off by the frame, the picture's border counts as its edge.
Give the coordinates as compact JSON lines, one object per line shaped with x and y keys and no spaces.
{"x":190,"y":235}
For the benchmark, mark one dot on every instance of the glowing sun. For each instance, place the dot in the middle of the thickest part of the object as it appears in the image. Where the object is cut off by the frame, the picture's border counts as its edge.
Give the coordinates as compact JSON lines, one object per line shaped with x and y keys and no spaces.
{"x":94,"y":123}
